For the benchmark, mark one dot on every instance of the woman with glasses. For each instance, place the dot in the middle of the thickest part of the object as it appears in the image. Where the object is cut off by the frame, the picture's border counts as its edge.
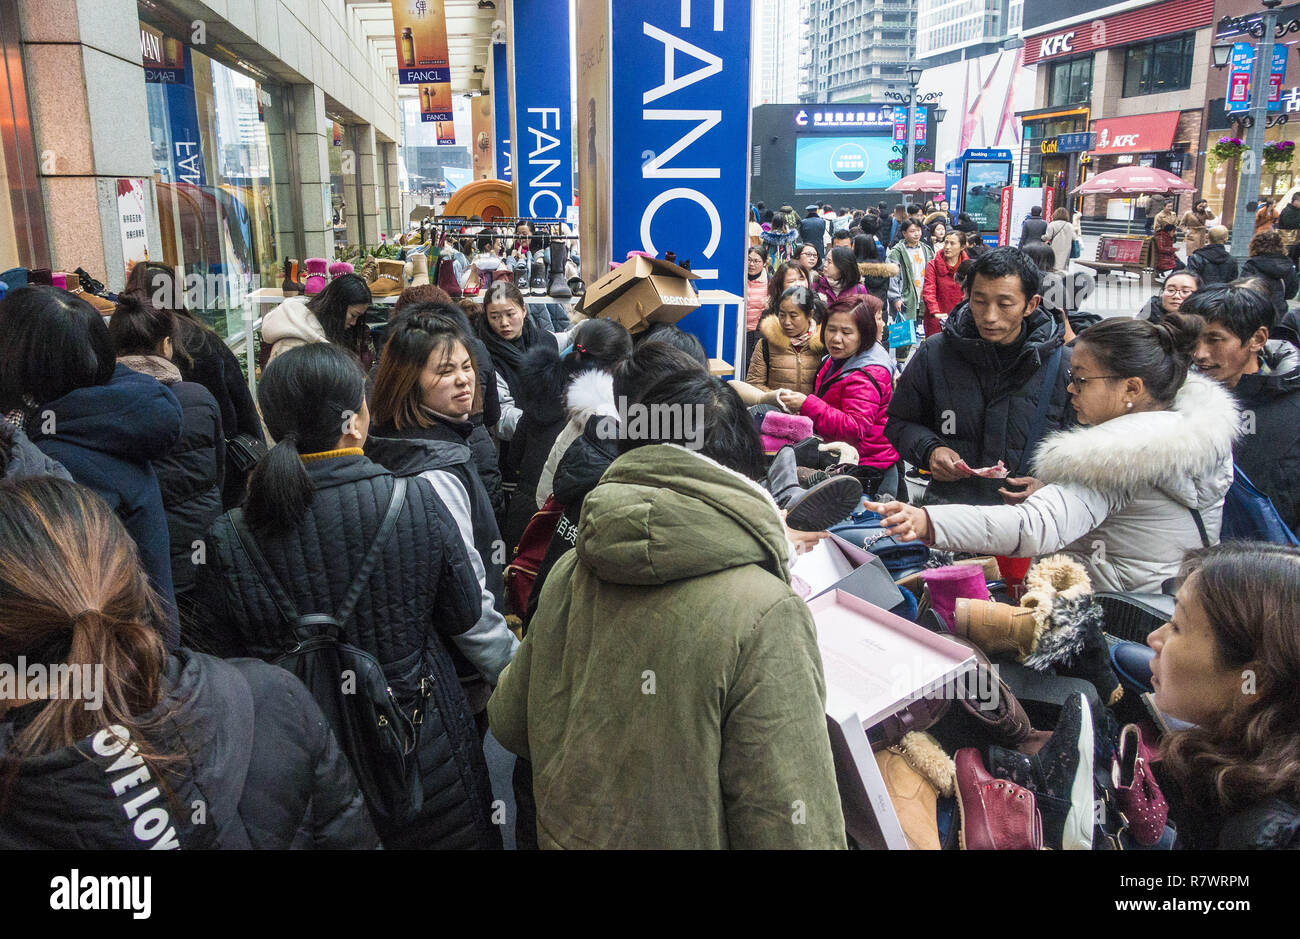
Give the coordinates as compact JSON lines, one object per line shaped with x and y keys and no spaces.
{"x":809,"y":258}
{"x":1177,"y":288}
{"x":1130,"y":491}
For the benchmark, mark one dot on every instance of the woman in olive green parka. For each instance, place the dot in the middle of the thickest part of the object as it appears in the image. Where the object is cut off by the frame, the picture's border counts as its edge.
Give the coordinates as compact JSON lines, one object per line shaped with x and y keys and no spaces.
{"x":669,"y":691}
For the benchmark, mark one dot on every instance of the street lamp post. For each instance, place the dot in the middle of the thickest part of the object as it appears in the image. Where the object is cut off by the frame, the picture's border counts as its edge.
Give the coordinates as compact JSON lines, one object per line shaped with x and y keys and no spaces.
{"x":913,"y":79}
{"x":1243,"y":226}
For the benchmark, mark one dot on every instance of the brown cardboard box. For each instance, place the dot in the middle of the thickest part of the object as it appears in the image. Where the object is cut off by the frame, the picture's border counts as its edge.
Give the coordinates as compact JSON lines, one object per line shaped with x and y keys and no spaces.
{"x":642,"y":291}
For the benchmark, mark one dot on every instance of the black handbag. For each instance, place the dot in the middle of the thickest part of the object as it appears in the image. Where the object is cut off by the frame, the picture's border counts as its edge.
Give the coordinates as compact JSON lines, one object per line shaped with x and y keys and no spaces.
{"x":243,"y":451}
{"x":376,"y":735}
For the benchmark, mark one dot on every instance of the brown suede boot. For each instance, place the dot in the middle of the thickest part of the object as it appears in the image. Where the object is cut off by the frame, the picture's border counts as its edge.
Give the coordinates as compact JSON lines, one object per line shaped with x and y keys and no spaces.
{"x":995,"y":627}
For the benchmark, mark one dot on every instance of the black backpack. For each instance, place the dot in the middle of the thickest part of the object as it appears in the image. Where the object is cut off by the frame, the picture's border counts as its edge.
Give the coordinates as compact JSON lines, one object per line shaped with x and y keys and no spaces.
{"x":378,"y":738}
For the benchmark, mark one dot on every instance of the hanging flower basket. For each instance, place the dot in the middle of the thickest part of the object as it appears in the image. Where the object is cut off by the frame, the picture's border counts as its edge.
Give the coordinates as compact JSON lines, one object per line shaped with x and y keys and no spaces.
{"x":924,"y":165}
{"x":1278,"y":154}
{"x":895,"y":166}
{"x":1228,"y":148}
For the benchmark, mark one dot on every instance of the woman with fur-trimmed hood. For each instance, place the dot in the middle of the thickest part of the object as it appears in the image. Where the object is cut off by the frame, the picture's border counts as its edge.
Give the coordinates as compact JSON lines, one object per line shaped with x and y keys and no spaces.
{"x":1128,"y":493}
{"x":550,"y":405}
{"x":876,"y":276}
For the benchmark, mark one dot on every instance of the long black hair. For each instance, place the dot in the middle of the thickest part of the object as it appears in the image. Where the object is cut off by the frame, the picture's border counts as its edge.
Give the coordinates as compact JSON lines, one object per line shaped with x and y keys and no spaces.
{"x":51,"y":342}
{"x":307,"y":396}
{"x":330,"y":306}
{"x":847,"y":264}
{"x":864,"y":248}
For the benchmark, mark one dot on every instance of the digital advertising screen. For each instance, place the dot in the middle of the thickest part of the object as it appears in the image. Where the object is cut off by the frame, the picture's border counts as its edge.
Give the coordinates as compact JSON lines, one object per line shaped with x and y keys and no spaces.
{"x":842,"y":163}
{"x":982,"y":192}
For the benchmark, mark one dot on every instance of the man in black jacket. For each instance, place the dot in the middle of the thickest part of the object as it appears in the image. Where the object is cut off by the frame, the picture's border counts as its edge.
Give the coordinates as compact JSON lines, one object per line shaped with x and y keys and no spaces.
{"x":1264,"y":375}
{"x":1212,"y":262}
{"x":812,"y":231}
{"x":1032,"y":229}
{"x":987,"y":388}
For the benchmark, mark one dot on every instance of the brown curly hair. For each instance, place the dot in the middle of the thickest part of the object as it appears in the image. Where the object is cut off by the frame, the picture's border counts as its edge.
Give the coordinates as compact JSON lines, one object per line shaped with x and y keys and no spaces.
{"x":1267,"y":244}
{"x":1250,"y":592}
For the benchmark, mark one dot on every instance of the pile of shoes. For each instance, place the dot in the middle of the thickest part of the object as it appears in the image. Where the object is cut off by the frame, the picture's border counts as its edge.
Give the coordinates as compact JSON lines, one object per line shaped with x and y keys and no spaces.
{"x":77,"y":282}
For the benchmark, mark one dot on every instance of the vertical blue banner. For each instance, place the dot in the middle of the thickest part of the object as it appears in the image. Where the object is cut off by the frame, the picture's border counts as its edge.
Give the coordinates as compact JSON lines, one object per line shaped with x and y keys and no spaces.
{"x":501,"y":110}
{"x":183,"y":118}
{"x":543,"y":121}
{"x":680,"y":150}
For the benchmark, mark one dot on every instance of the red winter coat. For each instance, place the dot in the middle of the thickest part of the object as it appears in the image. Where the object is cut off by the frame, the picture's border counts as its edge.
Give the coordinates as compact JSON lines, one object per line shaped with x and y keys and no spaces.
{"x":941,"y":292}
{"x":1166,"y":259}
{"x":850,"y":406}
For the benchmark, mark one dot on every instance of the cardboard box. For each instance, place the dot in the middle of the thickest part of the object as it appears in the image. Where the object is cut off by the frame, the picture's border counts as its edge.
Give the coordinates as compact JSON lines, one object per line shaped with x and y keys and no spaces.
{"x":642,"y":291}
{"x":836,"y":564}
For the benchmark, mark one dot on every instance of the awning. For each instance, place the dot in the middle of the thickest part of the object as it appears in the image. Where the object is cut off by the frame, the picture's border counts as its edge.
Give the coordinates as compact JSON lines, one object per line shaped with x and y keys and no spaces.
{"x":1143,"y":133}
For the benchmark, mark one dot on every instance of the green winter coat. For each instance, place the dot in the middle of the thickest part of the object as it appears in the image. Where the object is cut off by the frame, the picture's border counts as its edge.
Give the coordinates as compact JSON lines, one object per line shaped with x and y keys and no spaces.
{"x":669,"y":692}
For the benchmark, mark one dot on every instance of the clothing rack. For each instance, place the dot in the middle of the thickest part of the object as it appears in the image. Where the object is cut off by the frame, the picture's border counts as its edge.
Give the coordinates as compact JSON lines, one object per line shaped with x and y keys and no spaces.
{"x":544,"y":230}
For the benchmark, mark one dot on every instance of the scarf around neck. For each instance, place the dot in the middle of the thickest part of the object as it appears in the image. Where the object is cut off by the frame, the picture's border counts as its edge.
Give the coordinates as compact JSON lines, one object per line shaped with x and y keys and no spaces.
{"x":508,"y":355}
{"x":155,"y":366}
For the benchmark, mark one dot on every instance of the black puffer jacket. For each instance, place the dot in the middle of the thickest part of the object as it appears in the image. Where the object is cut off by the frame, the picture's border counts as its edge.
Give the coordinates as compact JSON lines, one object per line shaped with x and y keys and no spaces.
{"x":250,"y":747}
{"x":543,"y":379}
{"x":1269,"y":453}
{"x":955,"y":392}
{"x":1214,"y":264}
{"x":420,"y":597}
{"x":1281,"y":276}
{"x":215,"y":367}
{"x":576,"y":475}
{"x":190,"y":476}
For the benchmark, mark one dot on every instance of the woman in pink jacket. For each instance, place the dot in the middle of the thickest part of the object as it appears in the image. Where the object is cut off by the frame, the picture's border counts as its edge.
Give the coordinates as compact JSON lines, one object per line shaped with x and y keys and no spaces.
{"x":852,"y":390}
{"x":841,"y":282}
{"x":755,"y":295}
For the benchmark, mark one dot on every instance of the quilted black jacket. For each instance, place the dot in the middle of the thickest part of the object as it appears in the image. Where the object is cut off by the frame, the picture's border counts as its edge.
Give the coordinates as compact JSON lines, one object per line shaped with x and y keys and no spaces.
{"x":252,"y":764}
{"x":190,"y":478}
{"x":420,"y":595}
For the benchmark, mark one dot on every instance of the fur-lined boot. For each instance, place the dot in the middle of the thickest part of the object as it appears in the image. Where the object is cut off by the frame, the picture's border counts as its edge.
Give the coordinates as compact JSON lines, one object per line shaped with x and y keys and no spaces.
{"x":1068,"y":625}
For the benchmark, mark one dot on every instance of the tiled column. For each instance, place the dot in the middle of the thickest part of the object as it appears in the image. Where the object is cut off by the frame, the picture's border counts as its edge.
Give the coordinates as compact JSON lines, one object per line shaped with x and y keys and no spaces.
{"x":90,"y":126}
{"x":310,"y":124}
{"x":367,"y":174}
{"x":277,"y":135}
{"x":396,"y":219}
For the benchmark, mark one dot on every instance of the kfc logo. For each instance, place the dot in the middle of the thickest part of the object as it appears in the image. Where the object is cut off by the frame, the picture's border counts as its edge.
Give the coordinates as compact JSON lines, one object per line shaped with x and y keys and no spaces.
{"x":1055,"y":45}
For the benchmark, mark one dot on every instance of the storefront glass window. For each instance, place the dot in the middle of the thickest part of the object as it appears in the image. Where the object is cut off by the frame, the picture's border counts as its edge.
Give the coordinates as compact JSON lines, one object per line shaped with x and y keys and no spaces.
{"x":1071,"y":81}
{"x":214,"y":179}
{"x":1158,"y":66}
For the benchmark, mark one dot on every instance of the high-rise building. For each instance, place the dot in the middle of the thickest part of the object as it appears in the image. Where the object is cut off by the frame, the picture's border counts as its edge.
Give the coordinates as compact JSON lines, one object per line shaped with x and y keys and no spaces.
{"x":951,"y":30}
{"x":858,"y":49}
{"x":779,"y":35}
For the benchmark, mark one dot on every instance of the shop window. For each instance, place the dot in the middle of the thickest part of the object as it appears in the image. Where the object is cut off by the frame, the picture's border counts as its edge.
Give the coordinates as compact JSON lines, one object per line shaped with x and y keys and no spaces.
{"x":1151,"y":68}
{"x":212,"y":167}
{"x":1070,"y":82}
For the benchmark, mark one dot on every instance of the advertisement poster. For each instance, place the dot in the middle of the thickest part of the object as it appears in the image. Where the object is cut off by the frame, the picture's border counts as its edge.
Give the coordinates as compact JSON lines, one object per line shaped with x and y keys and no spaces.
{"x":420,"y":28}
{"x":542,"y":135}
{"x":1276,"y":76}
{"x":842,"y":163}
{"x":680,"y":145}
{"x":982,"y":200}
{"x":1240,"y":64}
{"x":131,"y":221}
{"x":435,"y":103}
{"x":446,"y":131}
{"x":480,"y":115}
{"x":501,"y":111}
{"x":164,"y":58}
{"x":593,"y":138}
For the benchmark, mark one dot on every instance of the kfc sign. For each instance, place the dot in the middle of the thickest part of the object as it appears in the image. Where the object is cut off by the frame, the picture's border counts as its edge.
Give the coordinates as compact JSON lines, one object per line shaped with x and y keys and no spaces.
{"x":1056,"y":45}
{"x":1146,"y":133}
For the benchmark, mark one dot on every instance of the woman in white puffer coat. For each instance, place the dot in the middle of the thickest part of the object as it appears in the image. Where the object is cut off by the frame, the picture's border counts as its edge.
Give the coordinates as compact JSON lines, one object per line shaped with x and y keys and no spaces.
{"x":1128,"y":493}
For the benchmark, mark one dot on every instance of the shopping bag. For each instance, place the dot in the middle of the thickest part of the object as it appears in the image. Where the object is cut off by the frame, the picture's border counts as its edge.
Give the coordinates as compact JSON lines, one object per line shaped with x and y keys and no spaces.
{"x":902,"y":333}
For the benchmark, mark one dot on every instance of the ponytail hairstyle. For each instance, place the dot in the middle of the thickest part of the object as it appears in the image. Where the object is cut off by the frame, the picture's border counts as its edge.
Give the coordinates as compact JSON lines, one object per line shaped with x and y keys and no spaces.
{"x":420,"y":332}
{"x":139,"y":328}
{"x":307,"y":396}
{"x":330,"y":306}
{"x":1158,"y":354}
{"x":596,"y":344}
{"x":165,"y":289}
{"x":74,"y":593}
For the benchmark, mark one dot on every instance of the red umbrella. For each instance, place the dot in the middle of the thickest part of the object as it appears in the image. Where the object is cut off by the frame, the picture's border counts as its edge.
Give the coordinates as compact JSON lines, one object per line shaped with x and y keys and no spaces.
{"x":920,"y":182}
{"x":1132,"y":181}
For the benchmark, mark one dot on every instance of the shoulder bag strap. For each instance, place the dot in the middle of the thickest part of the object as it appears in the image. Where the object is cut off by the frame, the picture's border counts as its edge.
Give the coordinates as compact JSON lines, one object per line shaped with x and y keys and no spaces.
{"x":1039,"y":425}
{"x":376,"y":549}
{"x":1200,"y":527}
{"x":288,"y":612}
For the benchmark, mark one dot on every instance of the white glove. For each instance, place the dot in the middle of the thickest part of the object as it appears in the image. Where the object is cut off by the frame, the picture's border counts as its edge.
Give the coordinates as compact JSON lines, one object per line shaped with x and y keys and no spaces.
{"x":843,"y":452}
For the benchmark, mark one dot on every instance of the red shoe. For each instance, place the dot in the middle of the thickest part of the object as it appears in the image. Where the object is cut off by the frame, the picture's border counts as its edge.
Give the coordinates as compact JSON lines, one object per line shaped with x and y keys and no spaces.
{"x":996,"y":814}
{"x":1139,"y":798}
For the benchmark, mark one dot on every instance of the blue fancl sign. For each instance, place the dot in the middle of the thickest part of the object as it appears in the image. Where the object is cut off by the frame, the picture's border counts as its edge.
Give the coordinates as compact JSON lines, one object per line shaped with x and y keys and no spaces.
{"x":543,"y":121}
{"x":681,"y":141}
{"x":501,"y":110}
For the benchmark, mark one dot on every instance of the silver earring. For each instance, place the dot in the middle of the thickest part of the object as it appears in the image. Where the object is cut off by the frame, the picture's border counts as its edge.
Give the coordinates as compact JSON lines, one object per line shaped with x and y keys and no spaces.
{"x":1129,"y":405}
